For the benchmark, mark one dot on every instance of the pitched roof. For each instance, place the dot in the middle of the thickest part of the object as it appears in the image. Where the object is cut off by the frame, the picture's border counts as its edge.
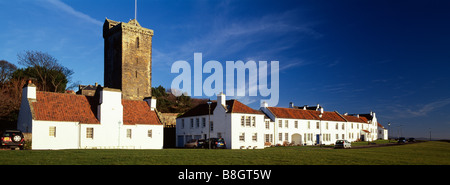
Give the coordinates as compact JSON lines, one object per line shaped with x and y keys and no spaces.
{"x":138,"y":112}
{"x":79,"y":108}
{"x":294,"y":113}
{"x":63,"y":107}
{"x":281,"y":112}
{"x":233,"y":106}
{"x":355,"y":119}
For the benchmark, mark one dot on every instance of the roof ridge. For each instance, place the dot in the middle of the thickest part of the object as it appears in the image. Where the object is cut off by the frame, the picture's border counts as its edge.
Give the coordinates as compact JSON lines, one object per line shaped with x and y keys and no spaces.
{"x":341,"y":116}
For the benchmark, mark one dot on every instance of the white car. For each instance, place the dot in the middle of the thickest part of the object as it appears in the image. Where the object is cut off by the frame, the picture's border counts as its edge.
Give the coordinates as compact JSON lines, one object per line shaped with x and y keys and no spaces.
{"x":342,"y":144}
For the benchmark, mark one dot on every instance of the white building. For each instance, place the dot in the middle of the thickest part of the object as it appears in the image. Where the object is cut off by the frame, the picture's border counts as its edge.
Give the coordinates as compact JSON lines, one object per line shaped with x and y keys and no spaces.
{"x":239,"y":125}
{"x":243,"y":127}
{"x":303,"y":126}
{"x":69,"y":121}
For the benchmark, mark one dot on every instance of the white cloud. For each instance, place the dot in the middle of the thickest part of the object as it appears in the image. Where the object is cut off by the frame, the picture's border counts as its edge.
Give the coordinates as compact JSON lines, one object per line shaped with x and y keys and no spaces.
{"x":428,"y":108}
{"x":69,"y":10}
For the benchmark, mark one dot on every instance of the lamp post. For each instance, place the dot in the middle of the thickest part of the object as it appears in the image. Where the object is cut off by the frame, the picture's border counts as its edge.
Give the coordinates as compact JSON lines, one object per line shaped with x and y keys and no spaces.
{"x":209,"y":123}
{"x":430,"y":133}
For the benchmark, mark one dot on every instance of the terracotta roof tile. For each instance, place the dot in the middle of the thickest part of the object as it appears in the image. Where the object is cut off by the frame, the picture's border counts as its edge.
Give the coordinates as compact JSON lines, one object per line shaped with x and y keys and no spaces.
{"x":233,"y":106}
{"x":63,"y":107}
{"x":281,"y":112}
{"x":138,"y":112}
{"x":355,"y":119}
{"x":79,"y":108}
{"x":313,"y":115}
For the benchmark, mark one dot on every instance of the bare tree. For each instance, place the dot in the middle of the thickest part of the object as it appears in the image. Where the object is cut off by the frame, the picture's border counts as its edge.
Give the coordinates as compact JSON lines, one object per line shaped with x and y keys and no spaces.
{"x":47,"y":69}
{"x":6,"y":70}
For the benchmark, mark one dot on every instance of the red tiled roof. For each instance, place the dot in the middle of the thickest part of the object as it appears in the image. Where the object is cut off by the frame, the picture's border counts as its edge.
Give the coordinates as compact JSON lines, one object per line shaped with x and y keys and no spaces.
{"x":79,"y":108}
{"x":293,"y":113}
{"x":238,"y":107}
{"x":138,"y":112}
{"x":355,"y":119}
{"x":63,"y":107}
{"x":304,"y":114}
{"x":233,"y":106}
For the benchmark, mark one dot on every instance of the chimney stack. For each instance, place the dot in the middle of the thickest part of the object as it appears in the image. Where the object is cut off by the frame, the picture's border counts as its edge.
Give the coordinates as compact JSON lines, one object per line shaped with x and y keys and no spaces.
{"x":264,"y":104}
{"x":29,"y":90}
{"x":291,"y":105}
{"x":221,"y":98}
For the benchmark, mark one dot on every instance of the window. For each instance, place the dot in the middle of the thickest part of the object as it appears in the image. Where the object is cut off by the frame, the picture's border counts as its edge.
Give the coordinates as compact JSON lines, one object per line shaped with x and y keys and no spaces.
{"x":129,"y":133}
{"x":280,"y":136}
{"x":296,"y":124}
{"x":343,"y":126}
{"x":309,"y":125}
{"x":52,"y":131}
{"x":352,"y":125}
{"x":255,"y":137}
{"x":337,"y":136}
{"x":242,"y":136}
{"x":137,"y":42}
{"x":267,"y":124}
{"x":182,"y":123}
{"x":317,"y":125}
{"x":136,"y":74}
{"x":253,"y":121}
{"x":326,"y":125}
{"x":286,"y":123}
{"x":286,"y":136}
{"x":337,"y":126}
{"x":90,"y":133}
{"x":343,"y":136}
{"x":192,"y":123}
{"x":280,"y":124}
{"x":268,"y":137}
{"x":197,"y":122}
{"x":243,"y":121}
{"x":150,"y":133}
{"x":247,"y":121}
{"x":203,"y":122}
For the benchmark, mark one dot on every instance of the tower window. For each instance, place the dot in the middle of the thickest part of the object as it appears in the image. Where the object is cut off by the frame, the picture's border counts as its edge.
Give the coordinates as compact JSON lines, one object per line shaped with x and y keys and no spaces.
{"x":136,"y":74}
{"x":137,"y":42}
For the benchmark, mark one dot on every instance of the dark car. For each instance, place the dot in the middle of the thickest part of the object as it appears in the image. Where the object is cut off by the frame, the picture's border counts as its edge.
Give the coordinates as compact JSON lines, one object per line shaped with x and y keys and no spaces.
{"x":12,"y":139}
{"x":411,"y":140}
{"x":216,"y":143}
{"x":401,"y":140}
{"x":201,"y":143}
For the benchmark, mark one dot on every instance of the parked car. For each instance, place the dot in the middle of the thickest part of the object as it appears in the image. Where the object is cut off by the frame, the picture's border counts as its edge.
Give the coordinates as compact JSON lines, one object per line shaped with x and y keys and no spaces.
{"x":201,"y":143}
{"x":216,"y":143}
{"x":193,"y":143}
{"x":401,"y":140}
{"x":411,"y":140}
{"x":342,"y":144}
{"x":12,"y":139}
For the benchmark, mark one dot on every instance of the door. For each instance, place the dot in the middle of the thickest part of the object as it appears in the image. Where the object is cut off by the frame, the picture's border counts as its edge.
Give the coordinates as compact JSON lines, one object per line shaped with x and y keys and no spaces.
{"x":318,"y":139}
{"x":362,"y":137}
{"x":180,"y":142}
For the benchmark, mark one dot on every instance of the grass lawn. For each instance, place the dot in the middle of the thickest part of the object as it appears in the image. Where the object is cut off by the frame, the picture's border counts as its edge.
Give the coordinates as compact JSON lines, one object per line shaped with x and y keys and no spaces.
{"x":426,"y":153}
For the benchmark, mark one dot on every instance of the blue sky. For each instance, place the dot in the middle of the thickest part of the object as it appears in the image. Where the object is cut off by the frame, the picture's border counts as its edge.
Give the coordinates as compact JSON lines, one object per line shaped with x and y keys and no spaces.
{"x":351,"y":56}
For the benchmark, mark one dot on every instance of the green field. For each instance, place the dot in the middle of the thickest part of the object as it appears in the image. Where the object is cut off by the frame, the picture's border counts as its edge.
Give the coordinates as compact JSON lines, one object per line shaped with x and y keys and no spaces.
{"x":425,"y":153}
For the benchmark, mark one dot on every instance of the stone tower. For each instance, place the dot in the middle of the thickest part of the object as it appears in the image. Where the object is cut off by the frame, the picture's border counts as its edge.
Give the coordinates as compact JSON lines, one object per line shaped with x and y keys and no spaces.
{"x":128,"y":58}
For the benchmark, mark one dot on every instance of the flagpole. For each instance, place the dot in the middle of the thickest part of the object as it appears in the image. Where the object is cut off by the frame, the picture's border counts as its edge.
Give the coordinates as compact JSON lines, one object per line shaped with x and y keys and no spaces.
{"x":135,"y":11}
